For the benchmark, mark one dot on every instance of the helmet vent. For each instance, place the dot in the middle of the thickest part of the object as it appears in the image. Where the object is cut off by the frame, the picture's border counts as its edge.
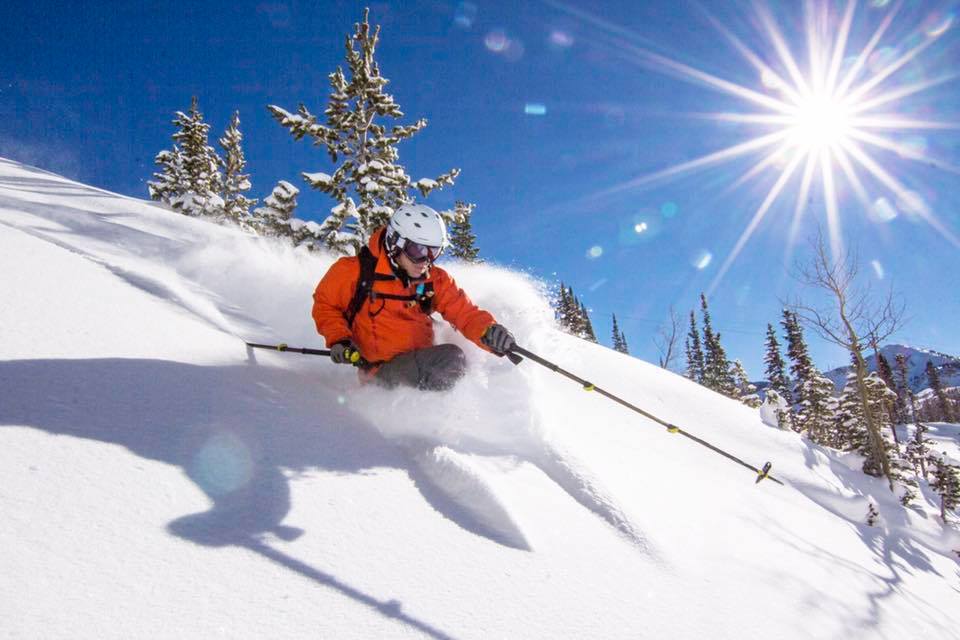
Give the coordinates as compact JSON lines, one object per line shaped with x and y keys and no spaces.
{"x":417,"y":225}
{"x":423,"y":214}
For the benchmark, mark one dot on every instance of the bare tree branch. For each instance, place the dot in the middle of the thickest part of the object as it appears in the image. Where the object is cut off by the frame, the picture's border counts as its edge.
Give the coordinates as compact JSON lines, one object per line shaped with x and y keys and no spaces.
{"x":666,"y":339}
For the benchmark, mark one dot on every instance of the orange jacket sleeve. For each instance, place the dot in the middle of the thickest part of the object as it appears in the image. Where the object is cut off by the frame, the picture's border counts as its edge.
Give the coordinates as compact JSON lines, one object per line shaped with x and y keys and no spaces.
{"x":457,"y":309}
{"x":332,"y":297}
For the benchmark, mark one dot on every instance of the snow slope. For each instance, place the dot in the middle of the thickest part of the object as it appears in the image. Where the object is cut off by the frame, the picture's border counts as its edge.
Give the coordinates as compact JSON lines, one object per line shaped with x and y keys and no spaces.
{"x":159,"y":479}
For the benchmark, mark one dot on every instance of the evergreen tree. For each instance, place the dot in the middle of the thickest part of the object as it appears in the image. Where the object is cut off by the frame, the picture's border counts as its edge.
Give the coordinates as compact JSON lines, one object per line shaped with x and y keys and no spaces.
{"x":171,"y":179}
{"x":236,"y":206}
{"x":933,"y":378}
{"x":588,"y":332}
{"x":918,"y":449}
{"x":946,"y":482}
{"x":354,"y":132}
{"x":623,"y":342}
{"x":716,"y":365}
{"x":801,"y":369}
{"x":776,"y":371}
{"x":201,"y":166}
{"x":695,"y":360}
{"x":746,"y":392}
{"x":462,"y":239}
{"x":816,"y":414}
{"x":619,"y":344}
{"x":902,"y":388}
{"x":563,"y":308}
{"x":274,"y":218}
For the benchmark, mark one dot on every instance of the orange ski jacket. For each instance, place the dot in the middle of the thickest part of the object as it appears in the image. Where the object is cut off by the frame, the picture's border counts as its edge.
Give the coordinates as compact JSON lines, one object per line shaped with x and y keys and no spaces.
{"x":385,"y":328}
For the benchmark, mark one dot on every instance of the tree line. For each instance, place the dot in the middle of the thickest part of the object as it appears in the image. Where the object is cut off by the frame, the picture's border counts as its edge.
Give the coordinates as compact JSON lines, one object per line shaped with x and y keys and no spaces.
{"x":367,"y":182}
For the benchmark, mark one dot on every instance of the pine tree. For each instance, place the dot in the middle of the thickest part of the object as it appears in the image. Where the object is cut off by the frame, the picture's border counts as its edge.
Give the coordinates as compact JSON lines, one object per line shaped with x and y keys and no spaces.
{"x":462,"y":239}
{"x":623,"y":342}
{"x":562,"y":310}
{"x":171,"y":179}
{"x":274,"y":218}
{"x":201,"y":166}
{"x":933,"y":378}
{"x":902,"y":388}
{"x":588,"y":332}
{"x":776,"y":372}
{"x":850,"y":429}
{"x":802,"y":369}
{"x":716,"y":365}
{"x":619,"y":344}
{"x":746,"y":392}
{"x":354,"y":132}
{"x":695,"y":360}
{"x":918,"y":449}
{"x":946,"y":482}
{"x":236,"y":206}
{"x":817,"y":409}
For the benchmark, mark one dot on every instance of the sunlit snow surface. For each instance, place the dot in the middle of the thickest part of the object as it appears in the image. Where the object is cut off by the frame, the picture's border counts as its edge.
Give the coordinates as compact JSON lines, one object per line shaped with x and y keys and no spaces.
{"x":158,"y":479}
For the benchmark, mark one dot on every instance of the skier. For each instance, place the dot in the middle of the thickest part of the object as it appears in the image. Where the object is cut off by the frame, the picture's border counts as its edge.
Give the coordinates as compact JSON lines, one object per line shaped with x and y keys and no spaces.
{"x":377,"y":306}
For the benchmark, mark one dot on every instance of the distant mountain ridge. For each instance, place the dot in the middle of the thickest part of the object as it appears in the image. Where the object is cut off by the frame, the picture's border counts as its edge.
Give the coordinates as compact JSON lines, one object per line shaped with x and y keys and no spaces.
{"x":947,"y":365}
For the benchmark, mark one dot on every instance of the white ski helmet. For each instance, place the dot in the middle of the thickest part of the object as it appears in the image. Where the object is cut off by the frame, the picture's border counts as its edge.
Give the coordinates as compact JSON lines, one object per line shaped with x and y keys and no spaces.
{"x":418,"y":231}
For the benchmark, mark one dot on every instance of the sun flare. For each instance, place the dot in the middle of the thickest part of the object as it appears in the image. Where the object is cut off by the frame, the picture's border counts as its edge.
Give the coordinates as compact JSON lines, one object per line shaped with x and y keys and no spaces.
{"x":819,"y":118}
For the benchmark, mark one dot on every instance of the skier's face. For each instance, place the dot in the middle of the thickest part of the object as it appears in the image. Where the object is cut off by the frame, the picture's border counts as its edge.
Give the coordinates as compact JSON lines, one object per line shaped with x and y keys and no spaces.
{"x":413,"y":269}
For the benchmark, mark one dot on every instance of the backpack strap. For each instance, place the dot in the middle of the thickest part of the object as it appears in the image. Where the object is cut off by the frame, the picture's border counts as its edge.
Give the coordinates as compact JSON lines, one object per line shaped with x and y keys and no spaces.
{"x":368,"y":267}
{"x":423,"y":294}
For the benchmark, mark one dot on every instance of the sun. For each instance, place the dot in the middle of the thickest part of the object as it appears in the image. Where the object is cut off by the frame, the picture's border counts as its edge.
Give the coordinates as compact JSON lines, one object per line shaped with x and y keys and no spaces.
{"x":820,"y":122}
{"x":817,"y":116}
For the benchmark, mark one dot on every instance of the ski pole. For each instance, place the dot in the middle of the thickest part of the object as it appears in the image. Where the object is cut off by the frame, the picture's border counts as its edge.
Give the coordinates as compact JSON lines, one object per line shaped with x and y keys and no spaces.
{"x":353,"y":356}
{"x":762,"y":473}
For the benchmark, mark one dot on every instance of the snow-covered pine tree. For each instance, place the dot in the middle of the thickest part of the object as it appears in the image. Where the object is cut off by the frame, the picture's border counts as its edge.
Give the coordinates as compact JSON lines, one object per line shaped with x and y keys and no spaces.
{"x":933,"y":379}
{"x":462,"y":239}
{"x":918,"y":449}
{"x":171,"y":179}
{"x":236,"y":206}
{"x":776,"y":368}
{"x":946,"y":482}
{"x":817,"y":409}
{"x":695,"y":360}
{"x":201,"y":166}
{"x":273,"y":219}
{"x":355,"y":135}
{"x":716,"y":374}
{"x":850,"y":430}
{"x":745,"y":390}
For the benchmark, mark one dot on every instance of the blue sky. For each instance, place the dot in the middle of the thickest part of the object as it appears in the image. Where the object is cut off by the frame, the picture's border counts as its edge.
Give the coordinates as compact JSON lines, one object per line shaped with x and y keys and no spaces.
{"x":553,"y":111}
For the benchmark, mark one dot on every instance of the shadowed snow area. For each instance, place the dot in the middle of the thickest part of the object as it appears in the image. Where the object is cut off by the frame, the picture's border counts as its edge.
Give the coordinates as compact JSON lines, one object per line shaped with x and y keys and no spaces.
{"x":159,"y":478}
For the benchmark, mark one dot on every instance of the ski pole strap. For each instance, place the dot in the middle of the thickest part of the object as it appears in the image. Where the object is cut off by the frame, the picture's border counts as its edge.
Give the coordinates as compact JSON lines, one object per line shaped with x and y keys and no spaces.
{"x":761,"y":473}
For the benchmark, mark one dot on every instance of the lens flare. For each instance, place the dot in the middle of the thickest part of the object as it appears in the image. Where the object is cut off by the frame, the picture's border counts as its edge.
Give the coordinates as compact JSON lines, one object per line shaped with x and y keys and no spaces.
{"x":826,"y":119}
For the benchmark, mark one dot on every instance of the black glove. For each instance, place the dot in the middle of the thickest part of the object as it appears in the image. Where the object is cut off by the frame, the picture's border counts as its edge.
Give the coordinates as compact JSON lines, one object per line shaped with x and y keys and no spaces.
{"x":345,"y":352}
{"x":498,"y":338}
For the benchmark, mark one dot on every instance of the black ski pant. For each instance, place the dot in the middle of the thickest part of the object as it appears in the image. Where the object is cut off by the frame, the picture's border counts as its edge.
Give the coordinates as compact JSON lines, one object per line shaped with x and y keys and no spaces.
{"x":435,"y":368}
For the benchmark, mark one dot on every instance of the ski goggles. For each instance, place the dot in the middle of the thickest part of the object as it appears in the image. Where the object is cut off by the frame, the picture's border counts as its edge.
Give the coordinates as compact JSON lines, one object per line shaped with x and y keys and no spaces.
{"x":420,"y":253}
